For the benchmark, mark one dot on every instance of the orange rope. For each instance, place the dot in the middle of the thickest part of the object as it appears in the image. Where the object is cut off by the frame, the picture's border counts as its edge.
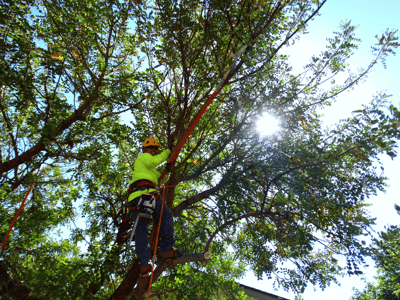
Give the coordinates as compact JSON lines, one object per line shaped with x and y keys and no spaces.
{"x":15,"y":219}
{"x":158,"y":232}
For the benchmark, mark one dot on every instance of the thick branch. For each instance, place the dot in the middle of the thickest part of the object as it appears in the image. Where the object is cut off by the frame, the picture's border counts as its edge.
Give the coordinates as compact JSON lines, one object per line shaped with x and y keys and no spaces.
{"x":126,"y":286}
{"x":40,"y":146}
{"x":10,"y":287}
{"x":203,"y":195}
{"x":199,"y":257}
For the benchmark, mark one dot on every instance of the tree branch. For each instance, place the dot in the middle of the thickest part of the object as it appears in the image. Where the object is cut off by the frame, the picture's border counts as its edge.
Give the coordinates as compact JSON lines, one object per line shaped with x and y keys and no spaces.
{"x":203,"y":195}
{"x":199,"y":257}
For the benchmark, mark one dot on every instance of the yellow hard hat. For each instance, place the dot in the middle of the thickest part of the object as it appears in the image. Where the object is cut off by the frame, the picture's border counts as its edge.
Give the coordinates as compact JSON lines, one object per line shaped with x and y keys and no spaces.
{"x":150,"y":142}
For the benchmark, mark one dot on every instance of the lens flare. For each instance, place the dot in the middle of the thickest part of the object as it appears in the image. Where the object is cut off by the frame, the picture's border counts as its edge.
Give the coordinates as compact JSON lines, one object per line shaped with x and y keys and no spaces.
{"x":267,"y":125}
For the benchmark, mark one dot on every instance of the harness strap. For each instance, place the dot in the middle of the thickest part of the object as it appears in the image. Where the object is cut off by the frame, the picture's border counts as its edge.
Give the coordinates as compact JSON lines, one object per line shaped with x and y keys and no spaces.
{"x":145,"y":183}
{"x":140,"y":185}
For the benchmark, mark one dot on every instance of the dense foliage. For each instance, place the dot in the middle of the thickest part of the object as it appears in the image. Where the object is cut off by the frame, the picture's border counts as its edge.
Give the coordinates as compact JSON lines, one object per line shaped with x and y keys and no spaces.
{"x":386,"y":254}
{"x":83,"y":83}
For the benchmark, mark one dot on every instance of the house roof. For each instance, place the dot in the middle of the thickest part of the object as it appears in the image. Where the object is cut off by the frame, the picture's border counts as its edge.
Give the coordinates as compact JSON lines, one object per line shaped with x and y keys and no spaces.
{"x":260,"y":295}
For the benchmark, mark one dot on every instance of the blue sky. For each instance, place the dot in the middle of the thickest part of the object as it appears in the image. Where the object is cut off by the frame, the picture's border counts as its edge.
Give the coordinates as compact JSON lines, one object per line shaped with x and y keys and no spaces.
{"x":373,"y":17}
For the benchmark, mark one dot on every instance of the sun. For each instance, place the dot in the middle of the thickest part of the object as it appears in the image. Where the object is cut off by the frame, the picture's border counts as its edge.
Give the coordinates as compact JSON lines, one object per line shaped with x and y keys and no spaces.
{"x":267,"y":125}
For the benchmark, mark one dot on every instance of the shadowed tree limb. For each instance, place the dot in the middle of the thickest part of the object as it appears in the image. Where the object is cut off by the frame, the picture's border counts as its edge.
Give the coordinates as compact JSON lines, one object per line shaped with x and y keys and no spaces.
{"x":198,"y":257}
{"x":10,"y":287}
{"x":179,"y":208}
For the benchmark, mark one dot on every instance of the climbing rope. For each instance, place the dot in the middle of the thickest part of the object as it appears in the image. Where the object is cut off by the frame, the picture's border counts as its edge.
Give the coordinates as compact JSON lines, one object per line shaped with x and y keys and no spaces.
{"x":158,"y":233}
{"x":15,"y":219}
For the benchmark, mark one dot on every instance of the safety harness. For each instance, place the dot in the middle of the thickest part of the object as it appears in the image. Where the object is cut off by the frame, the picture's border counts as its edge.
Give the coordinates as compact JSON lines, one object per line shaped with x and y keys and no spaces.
{"x":147,"y":201}
{"x":146,"y":205}
{"x":141,"y":185}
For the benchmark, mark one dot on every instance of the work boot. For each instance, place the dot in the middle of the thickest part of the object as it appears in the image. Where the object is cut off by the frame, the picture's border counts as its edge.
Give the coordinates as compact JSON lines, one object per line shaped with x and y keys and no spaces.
{"x":171,"y":254}
{"x":144,"y":274}
{"x":144,"y":270}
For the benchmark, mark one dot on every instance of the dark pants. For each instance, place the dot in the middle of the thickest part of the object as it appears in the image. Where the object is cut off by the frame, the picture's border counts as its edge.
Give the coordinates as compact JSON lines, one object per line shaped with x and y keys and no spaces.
{"x":142,"y":247}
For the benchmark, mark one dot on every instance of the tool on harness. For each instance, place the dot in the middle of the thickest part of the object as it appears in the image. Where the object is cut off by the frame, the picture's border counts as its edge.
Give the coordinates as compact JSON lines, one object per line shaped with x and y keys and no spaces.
{"x":139,"y":185}
{"x":146,"y":207}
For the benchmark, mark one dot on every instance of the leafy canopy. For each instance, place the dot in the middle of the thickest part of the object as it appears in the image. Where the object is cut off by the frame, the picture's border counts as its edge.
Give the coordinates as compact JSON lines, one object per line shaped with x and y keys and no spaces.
{"x":386,"y":254}
{"x":84,"y":83}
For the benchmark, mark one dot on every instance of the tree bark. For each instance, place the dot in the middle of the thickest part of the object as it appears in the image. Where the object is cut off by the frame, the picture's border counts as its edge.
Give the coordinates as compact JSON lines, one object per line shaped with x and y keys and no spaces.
{"x":126,"y":287}
{"x":11,"y":288}
{"x":78,"y":115}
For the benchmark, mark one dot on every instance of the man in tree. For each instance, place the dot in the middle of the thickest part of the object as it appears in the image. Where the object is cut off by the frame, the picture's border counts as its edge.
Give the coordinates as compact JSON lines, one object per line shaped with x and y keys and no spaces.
{"x":145,"y":178}
{"x":273,"y":198}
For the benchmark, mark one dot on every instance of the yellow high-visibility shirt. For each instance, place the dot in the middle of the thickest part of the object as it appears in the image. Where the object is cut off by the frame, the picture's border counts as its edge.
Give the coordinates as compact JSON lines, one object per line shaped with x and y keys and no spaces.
{"x":145,"y":168}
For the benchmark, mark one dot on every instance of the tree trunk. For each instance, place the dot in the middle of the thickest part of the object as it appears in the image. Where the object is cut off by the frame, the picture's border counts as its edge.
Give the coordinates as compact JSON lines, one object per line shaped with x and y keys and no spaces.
{"x":126,"y":287}
{"x":10,"y":288}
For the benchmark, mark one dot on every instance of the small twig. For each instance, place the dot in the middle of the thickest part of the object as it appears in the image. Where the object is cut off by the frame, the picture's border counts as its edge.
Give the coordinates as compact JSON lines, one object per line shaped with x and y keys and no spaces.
{"x":79,"y":231}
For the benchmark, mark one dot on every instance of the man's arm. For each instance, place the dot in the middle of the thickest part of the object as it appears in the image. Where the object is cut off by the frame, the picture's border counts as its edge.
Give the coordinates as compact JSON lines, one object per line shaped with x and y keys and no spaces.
{"x":154,"y":161}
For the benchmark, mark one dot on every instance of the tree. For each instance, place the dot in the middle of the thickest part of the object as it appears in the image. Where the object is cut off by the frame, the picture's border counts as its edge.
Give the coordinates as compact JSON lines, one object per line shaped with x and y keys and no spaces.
{"x":386,"y":254}
{"x":297,"y":197}
{"x":57,"y":57}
